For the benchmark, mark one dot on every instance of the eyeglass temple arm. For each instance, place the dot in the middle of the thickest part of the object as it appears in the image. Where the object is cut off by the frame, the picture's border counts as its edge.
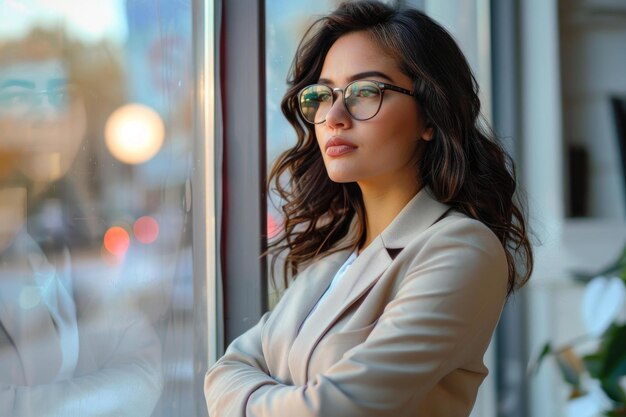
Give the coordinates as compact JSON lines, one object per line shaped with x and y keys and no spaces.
{"x":395,"y":88}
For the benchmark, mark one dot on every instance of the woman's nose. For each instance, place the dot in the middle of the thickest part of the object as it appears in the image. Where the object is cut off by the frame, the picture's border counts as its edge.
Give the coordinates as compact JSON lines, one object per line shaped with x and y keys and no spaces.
{"x":338,"y":116}
{"x":44,"y":105}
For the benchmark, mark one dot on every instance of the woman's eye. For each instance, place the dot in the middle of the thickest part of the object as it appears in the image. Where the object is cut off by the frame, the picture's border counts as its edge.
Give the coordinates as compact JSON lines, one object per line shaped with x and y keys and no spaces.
{"x":324,"y":97}
{"x":14,"y":98}
{"x":366,"y":92}
{"x":58,"y":98}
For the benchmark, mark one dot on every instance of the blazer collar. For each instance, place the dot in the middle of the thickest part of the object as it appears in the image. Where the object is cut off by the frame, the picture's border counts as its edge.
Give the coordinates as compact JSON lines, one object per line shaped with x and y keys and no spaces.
{"x":418,"y":215}
{"x":421,"y":212}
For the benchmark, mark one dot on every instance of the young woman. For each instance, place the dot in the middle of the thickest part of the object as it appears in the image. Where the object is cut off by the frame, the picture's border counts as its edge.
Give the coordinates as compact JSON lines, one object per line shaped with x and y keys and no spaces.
{"x":401,"y":232}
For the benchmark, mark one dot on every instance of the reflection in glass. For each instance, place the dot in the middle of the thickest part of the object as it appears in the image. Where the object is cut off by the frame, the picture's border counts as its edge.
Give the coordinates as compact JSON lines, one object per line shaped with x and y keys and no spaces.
{"x":95,"y":248}
{"x":134,"y":133}
{"x":67,"y":347}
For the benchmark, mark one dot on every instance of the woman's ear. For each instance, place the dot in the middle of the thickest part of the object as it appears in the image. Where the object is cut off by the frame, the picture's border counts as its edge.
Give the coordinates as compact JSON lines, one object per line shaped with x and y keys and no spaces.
{"x":428,"y":133}
{"x":429,"y":127}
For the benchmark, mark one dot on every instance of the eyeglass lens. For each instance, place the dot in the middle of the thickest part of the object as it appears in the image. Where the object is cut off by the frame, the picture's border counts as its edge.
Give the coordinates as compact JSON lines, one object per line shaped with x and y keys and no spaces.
{"x":25,"y":98}
{"x":362,"y":100}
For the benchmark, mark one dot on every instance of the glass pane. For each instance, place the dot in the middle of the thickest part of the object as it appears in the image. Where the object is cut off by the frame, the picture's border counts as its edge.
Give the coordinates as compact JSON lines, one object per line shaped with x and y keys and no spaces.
{"x":95,"y":223}
{"x":285,"y":24}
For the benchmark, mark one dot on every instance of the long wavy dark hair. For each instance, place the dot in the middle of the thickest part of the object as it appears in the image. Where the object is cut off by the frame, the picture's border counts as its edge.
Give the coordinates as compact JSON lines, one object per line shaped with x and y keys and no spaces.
{"x":463,"y":165}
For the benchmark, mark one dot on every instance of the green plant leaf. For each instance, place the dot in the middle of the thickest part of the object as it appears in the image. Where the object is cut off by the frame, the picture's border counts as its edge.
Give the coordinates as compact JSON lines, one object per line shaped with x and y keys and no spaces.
{"x":615,"y":353}
{"x":593,"y":364}
{"x":613,"y":390}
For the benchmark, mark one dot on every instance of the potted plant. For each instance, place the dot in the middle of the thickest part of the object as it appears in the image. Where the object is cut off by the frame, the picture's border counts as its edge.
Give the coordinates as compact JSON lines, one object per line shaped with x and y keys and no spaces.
{"x":594,"y":365}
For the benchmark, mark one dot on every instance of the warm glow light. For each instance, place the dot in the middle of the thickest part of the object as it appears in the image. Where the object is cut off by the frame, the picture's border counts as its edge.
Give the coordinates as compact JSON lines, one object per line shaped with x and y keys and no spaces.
{"x":134,"y":133}
{"x":273,"y":228}
{"x":109,"y":258}
{"x":146,"y":229}
{"x":116,"y":241}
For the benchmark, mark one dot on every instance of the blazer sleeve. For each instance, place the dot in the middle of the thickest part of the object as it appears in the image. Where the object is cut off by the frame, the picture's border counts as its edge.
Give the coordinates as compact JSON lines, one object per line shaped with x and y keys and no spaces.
{"x":242,"y":369}
{"x":444,"y":312}
{"x":128,"y":383}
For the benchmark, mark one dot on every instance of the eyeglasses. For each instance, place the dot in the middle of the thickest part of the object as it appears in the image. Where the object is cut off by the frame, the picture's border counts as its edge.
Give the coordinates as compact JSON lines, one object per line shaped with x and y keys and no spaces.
{"x":362,"y":99}
{"x":28,"y":99}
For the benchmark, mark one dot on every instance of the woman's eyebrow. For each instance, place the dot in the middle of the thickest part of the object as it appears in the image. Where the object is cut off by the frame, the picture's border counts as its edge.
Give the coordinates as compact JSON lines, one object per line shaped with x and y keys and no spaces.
{"x":359,"y":76}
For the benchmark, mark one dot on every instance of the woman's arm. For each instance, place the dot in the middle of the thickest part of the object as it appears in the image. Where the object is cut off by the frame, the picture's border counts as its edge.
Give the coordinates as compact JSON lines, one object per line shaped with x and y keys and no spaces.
{"x":127,"y":383}
{"x":445,"y":312}
{"x":240,"y":372}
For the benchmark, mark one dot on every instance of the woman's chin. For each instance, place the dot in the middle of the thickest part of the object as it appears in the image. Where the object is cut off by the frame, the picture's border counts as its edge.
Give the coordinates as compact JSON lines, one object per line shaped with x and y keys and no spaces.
{"x":342,"y":178}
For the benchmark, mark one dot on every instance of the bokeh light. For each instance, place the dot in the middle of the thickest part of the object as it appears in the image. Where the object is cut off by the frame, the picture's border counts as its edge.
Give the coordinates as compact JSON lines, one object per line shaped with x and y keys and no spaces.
{"x":273,"y":227}
{"x":134,"y":133}
{"x":146,"y":229}
{"x":116,"y":241}
{"x":109,"y":258}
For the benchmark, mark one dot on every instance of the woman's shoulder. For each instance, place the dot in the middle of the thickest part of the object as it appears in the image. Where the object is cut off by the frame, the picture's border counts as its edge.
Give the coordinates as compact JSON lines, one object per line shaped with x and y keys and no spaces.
{"x":456,"y":232}
{"x":460,"y":251}
{"x":455,"y":222}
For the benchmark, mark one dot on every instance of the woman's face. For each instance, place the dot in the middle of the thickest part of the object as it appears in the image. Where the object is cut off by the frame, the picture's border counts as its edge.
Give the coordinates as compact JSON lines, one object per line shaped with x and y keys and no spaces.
{"x":39,"y":120}
{"x":381,"y":151}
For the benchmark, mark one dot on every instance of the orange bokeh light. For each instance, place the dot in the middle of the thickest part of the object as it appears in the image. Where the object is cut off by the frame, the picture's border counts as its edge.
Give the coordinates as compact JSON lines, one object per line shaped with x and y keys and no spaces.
{"x":116,"y":241}
{"x":109,"y":258}
{"x":273,"y":227}
{"x":146,"y":229}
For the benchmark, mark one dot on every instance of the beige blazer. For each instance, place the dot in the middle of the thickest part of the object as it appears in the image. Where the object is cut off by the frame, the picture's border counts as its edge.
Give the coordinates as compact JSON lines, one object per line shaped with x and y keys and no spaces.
{"x":119,"y":363}
{"x":402,"y":334}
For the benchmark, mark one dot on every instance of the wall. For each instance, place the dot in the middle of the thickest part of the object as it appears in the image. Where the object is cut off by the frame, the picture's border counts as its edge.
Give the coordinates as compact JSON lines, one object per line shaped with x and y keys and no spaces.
{"x":593,"y":56}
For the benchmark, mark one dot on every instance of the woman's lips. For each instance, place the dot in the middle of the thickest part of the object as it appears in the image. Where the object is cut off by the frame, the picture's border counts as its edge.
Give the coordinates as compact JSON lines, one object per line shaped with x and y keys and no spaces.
{"x":338,"y":146}
{"x":339,"y":150}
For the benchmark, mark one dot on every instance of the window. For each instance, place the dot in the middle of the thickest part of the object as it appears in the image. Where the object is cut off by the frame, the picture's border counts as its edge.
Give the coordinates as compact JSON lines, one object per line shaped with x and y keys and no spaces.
{"x":97,"y":161}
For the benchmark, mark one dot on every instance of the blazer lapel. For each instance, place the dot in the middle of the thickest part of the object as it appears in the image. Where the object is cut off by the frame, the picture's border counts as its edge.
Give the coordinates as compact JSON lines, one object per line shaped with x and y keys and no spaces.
{"x":25,"y":317}
{"x":305,"y":292}
{"x":418,"y":215}
{"x":359,"y":278}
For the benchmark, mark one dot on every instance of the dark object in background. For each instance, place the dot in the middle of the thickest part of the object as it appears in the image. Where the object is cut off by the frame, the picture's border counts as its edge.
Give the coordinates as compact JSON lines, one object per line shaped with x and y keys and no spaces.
{"x":578,"y":180}
{"x":618,"y":104}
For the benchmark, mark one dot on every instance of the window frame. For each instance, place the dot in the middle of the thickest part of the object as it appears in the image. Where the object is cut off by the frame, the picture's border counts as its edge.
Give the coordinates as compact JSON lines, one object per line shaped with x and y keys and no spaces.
{"x":242,"y":239}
